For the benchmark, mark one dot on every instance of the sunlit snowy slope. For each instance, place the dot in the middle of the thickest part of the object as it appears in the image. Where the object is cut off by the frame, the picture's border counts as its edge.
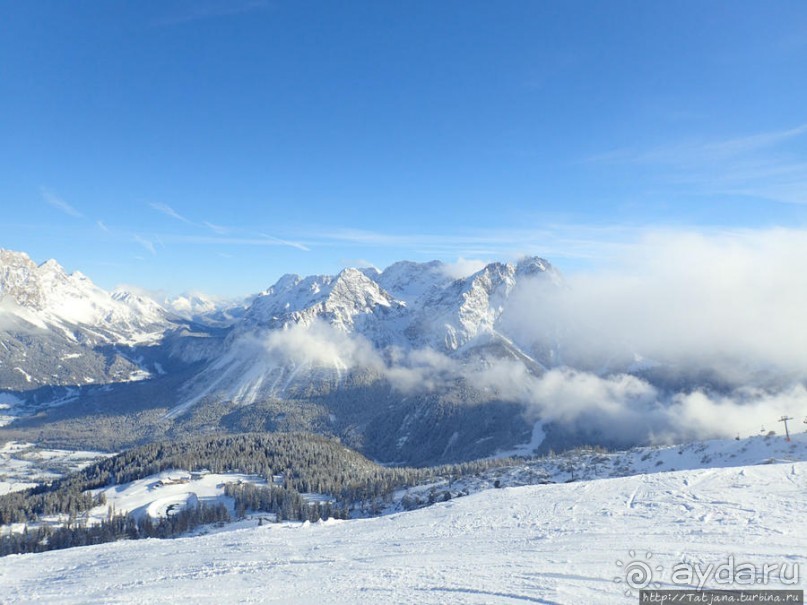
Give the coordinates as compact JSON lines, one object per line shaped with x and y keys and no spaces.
{"x":539,"y":544}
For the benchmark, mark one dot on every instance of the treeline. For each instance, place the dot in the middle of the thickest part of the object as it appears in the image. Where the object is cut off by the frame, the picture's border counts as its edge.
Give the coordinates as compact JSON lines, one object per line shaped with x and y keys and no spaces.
{"x":30,"y":505}
{"x":285,"y":504}
{"x":306,"y":462}
{"x":291,"y":463}
{"x":119,"y":527}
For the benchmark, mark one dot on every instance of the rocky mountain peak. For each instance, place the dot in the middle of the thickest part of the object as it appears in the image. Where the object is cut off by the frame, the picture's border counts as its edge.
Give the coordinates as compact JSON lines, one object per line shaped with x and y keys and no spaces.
{"x":18,"y":279}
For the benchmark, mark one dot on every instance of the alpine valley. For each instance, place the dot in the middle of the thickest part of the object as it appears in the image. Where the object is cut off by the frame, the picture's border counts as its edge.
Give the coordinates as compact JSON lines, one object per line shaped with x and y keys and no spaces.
{"x":410,"y":365}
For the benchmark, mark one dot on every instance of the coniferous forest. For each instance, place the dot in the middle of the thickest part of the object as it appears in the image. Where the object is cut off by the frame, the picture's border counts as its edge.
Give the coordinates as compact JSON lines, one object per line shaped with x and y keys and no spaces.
{"x":293,"y":464}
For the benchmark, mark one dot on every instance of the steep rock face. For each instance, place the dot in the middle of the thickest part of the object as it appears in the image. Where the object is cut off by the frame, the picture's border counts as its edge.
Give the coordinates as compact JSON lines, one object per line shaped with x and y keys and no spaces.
{"x":349,"y":302}
{"x":17,"y":281}
{"x":450,"y":317}
{"x":409,"y":282}
{"x":453,"y":316}
{"x":340,"y":301}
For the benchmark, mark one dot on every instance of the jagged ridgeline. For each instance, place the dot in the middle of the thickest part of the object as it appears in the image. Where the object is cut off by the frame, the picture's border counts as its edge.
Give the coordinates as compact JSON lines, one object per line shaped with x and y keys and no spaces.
{"x":306,"y":463}
{"x":408,"y":365}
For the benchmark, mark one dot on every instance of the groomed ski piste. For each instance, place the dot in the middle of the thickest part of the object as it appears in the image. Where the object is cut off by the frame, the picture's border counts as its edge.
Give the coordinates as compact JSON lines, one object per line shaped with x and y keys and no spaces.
{"x":556,"y":543}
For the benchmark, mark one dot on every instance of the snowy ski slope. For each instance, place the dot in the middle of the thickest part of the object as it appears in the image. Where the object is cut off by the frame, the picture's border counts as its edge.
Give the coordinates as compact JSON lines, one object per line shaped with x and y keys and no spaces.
{"x":557,"y":543}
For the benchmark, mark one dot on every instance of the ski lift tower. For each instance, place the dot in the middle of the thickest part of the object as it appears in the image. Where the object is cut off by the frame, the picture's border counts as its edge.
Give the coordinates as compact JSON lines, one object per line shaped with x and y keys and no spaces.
{"x":785,"y":419}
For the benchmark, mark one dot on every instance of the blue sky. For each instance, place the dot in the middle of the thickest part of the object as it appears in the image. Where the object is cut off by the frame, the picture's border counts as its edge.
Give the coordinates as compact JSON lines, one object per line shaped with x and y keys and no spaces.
{"x":216,"y":145}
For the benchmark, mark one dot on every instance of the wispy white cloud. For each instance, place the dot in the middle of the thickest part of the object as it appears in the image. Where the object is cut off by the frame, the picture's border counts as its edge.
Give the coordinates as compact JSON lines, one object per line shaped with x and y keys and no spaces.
{"x":569,"y":241}
{"x":217,"y":228}
{"x":102,"y":226}
{"x":463,"y":267}
{"x":224,"y":235}
{"x":283,"y":242}
{"x":263,"y":240}
{"x":58,"y":203}
{"x":762,"y":165}
{"x":168,"y":211}
{"x":146,"y":243}
{"x":698,"y":150}
{"x":745,"y":144}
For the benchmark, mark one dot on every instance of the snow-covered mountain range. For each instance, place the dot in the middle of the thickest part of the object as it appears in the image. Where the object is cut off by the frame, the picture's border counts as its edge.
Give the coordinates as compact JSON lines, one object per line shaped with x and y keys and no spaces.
{"x":209,"y":311}
{"x":58,"y":329}
{"x":46,"y":297}
{"x":410,"y":364}
{"x":336,"y":350}
{"x":408,"y":304}
{"x":401,"y":325}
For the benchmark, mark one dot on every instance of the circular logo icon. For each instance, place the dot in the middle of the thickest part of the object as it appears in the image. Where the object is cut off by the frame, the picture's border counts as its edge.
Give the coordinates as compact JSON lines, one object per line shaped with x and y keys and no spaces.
{"x":637,"y":574}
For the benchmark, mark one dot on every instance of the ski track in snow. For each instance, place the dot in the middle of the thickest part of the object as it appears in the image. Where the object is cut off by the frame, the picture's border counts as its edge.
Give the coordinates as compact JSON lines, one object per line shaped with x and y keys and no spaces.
{"x":536,"y":544}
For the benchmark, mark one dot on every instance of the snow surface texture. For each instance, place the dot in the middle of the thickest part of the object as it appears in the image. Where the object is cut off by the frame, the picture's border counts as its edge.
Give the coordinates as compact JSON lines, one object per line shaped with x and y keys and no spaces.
{"x":537,"y":544}
{"x":586,"y":464}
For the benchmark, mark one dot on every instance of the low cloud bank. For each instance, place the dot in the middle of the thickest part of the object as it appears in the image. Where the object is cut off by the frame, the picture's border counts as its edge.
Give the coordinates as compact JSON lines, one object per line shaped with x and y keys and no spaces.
{"x":717,"y":302}
{"x":724,"y":314}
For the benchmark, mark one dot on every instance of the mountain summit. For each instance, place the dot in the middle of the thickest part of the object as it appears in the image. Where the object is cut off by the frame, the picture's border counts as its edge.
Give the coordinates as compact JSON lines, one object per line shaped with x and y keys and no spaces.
{"x":59,"y":329}
{"x":405,"y":364}
{"x":45,"y":296}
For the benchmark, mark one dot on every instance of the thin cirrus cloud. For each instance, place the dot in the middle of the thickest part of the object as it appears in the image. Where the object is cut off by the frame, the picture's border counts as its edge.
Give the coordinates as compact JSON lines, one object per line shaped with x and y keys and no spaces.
{"x":57,"y":202}
{"x":764,"y":165}
{"x":147,"y":244}
{"x":168,"y":211}
{"x":569,"y":241}
{"x":172,"y":213}
{"x":696,"y":151}
{"x":263,"y":240}
{"x":224,"y":235}
{"x":217,"y":228}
